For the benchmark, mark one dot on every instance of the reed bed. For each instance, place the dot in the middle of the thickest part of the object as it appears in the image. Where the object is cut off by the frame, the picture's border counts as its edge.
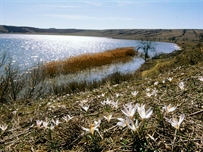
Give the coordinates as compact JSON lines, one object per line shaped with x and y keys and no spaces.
{"x":88,"y":61}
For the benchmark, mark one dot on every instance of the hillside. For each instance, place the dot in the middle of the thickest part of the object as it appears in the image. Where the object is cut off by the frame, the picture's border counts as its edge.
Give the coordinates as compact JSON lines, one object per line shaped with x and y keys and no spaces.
{"x":180,"y":36}
{"x":72,"y":122}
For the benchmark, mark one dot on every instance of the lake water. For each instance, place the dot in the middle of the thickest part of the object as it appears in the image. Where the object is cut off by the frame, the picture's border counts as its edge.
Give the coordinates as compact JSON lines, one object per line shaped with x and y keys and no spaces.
{"x":27,"y":50}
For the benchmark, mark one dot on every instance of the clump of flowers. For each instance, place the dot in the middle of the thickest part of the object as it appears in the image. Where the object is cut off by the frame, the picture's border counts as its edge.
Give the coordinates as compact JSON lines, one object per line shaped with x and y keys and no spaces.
{"x":144,"y":114}
{"x":129,"y":111}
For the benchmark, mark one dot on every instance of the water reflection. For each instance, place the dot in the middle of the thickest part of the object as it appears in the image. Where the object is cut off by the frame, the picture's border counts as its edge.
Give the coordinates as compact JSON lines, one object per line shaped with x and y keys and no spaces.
{"x":97,"y":74}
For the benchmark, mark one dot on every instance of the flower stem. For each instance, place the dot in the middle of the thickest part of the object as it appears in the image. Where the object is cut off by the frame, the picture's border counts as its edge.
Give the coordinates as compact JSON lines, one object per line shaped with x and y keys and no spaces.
{"x":174,"y":139}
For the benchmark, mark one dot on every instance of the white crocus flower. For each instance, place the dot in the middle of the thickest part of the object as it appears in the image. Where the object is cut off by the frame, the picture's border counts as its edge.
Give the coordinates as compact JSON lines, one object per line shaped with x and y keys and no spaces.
{"x":144,"y":114}
{"x":93,"y":127}
{"x":201,"y":78}
{"x":156,"y":83}
{"x":129,"y":110}
{"x":108,"y":118}
{"x":133,"y":126}
{"x":176,"y":123}
{"x":56,"y":123}
{"x":134,"y":93}
{"x":45,"y":124}
{"x":114,"y":104}
{"x":106,"y":102}
{"x":181,"y":85}
{"x":85,"y":107}
{"x":97,"y":123}
{"x":39,"y":123}
{"x":148,"y":94}
{"x":117,"y":95}
{"x":122,"y":122}
{"x":3,"y":127}
{"x":154,"y":92}
{"x":168,"y":108}
{"x":103,"y":94}
{"x":148,"y":89}
{"x":51,"y":127}
{"x":83,"y":101}
{"x":170,"y":79}
{"x":67,"y":118}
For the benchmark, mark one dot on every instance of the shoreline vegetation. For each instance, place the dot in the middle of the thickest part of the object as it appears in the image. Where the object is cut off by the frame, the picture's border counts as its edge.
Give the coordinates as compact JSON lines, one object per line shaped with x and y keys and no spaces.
{"x":89,"y":61}
{"x":157,"y":108}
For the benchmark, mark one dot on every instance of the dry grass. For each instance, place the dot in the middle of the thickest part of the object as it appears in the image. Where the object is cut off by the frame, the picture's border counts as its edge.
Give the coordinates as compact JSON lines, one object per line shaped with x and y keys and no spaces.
{"x":154,"y":134}
{"x":87,"y":61}
{"x":157,"y":134}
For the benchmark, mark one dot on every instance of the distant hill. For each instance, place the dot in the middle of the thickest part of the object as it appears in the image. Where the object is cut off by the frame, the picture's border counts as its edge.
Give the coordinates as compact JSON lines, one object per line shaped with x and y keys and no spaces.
{"x":16,"y":29}
{"x":167,"y":35}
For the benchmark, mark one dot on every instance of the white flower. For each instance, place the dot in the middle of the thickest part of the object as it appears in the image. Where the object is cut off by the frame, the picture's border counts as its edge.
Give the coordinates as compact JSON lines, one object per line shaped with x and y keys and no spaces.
{"x":176,"y":123}
{"x":201,"y":78}
{"x":85,"y":107}
{"x":97,"y":123}
{"x":148,"y":94}
{"x":134,"y":93}
{"x":3,"y":127}
{"x":148,"y":89}
{"x":83,"y":101}
{"x":106,"y":102}
{"x":14,"y":112}
{"x":163,"y":81}
{"x":156,"y":83}
{"x":103,"y":94}
{"x":168,"y":108}
{"x":170,"y":79}
{"x":154,"y":92}
{"x":122,"y":122}
{"x":45,"y":124}
{"x":117,"y":95}
{"x":142,"y":113}
{"x":51,"y":127}
{"x":39,"y":123}
{"x":129,"y":110}
{"x":114,"y":104}
{"x":108,"y":118}
{"x":181,"y":85}
{"x":67,"y":118}
{"x":93,"y":127}
{"x":56,"y":123}
{"x":133,"y":126}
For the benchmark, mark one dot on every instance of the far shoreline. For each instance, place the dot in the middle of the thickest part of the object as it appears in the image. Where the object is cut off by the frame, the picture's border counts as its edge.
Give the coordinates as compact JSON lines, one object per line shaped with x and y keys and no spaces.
{"x":58,"y":34}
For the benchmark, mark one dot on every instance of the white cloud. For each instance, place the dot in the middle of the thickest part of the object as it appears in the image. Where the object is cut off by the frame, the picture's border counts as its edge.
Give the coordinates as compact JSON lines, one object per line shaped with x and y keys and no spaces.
{"x":72,"y":17}
{"x":94,"y":3}
{"x":84,"y":17}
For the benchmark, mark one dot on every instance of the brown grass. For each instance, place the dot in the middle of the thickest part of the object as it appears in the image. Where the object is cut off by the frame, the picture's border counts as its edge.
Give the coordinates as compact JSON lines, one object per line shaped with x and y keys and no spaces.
{"x":87,"y":61}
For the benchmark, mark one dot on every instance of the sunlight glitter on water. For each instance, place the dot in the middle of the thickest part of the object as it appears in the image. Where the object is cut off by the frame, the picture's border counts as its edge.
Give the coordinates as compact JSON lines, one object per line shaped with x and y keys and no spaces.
{"x":28,"y":50}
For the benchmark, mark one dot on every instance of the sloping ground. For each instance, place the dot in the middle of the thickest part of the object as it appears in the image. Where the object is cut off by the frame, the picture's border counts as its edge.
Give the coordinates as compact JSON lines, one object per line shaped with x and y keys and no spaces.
{"x":179,"y":84}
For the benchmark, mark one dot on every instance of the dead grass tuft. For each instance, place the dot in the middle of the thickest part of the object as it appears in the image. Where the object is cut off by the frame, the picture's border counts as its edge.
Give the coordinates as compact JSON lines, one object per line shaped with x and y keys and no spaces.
{"x":88,"y":61}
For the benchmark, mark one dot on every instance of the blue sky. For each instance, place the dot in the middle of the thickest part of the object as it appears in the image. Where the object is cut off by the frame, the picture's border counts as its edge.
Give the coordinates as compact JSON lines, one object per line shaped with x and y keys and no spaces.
{"x":103,"y":14}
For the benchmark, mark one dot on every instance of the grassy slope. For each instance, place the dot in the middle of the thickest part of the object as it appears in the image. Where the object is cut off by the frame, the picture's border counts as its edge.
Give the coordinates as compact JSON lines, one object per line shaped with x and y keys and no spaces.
{"x":186,"y":66}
